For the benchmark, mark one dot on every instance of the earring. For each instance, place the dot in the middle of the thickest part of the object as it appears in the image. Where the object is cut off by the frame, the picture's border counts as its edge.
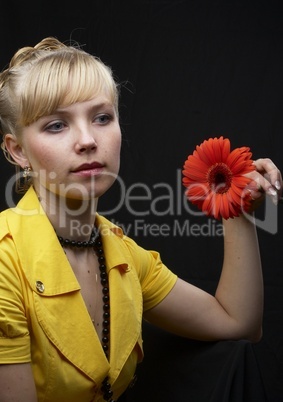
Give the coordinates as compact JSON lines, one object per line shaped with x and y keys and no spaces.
{"x":23,"y":181}
{"x":26,"y":172}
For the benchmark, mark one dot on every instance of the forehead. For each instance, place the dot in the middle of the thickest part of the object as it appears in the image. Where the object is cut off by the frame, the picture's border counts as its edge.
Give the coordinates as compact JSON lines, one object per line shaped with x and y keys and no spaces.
{"x":98,"y":103}
{"x":60,"y":83}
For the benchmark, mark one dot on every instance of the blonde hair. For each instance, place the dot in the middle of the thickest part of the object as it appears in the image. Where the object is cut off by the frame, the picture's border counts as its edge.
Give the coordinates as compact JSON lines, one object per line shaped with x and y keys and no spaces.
{"x":39,"y":79}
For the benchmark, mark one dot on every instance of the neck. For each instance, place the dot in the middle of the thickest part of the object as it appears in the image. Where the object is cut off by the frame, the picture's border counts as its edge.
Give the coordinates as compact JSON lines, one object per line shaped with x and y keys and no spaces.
{"x":71,"y":218}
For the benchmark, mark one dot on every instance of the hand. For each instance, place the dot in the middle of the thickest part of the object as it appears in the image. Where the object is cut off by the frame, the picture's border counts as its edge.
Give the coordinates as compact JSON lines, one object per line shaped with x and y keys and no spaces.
{"x":266,"y":179}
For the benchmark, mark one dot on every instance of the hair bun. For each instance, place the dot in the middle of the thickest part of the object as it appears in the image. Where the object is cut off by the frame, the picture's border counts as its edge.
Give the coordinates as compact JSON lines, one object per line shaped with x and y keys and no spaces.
{"x":49,"y":43}
{"x":29,"y":52}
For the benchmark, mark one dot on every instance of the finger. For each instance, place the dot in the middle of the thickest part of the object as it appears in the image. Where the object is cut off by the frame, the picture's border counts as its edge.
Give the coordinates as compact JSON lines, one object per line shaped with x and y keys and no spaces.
{"x":260,"y":186}
{"x":265,"y":166}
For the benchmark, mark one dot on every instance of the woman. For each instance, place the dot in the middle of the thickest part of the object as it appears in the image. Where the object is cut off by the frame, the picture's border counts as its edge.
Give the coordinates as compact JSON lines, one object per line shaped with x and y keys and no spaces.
{"x":64,"y":268}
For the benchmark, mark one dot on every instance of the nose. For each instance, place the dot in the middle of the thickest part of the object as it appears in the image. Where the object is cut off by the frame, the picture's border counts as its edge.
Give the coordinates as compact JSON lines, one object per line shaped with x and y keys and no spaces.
{"x":85,"y":141}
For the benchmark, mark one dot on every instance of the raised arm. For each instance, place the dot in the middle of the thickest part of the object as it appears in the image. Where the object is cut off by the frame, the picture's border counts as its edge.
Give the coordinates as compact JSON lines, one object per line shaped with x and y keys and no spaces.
{"x":236,"y":309}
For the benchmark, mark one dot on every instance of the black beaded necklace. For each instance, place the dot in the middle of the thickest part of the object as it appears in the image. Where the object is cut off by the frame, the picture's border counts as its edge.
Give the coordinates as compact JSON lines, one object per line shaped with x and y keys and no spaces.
{"x":96,"y":242}
{"x":80,"y":244}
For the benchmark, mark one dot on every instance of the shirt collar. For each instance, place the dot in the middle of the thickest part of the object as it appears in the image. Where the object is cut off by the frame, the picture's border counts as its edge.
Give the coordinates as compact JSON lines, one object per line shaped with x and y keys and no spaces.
{"x":34,"y":237}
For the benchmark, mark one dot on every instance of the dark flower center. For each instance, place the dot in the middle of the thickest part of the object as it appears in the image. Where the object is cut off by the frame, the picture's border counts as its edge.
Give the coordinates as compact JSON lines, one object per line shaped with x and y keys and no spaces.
{"x":219,"y":178}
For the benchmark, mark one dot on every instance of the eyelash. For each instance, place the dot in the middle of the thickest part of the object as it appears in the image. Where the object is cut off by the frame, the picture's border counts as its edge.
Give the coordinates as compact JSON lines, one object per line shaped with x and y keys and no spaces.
{"x":103,"y":116}
{"x":53,"y":127}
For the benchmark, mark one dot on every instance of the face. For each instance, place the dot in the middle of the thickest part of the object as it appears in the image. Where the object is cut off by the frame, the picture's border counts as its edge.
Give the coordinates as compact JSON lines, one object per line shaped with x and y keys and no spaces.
{"x":75,"y":152}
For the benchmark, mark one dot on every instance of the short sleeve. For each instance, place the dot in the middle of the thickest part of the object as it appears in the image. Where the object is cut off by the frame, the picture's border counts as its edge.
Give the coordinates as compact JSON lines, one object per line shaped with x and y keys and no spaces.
{"x":156,"y":279}
{"x":14,"y":334}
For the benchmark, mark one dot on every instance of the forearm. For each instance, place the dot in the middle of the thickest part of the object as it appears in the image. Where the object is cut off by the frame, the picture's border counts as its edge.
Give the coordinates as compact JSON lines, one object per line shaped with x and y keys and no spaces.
{"x":240,"y":289}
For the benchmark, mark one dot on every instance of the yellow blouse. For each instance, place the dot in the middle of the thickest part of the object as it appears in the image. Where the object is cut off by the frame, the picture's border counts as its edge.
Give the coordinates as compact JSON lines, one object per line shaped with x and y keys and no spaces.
{"x":43,"y":317}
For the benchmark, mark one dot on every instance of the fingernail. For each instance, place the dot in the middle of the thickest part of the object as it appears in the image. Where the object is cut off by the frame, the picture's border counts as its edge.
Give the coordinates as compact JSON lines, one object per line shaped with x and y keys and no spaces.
{"x":250,"y":194}
{"x":271,"y":191}
{"x":277,"y":185}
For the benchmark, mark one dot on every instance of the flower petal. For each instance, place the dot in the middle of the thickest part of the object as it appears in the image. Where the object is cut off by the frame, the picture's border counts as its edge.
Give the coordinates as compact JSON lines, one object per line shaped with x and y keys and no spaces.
{"x":225,"y":150}
{"x":212,"y":165}
{"x":217,"y":148}
{"x":205,"y":152}
{"x":195,"y":169}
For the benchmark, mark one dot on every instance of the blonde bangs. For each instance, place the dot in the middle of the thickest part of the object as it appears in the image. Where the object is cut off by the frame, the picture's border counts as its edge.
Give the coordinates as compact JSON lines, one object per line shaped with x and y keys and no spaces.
{"x":61,"y":79}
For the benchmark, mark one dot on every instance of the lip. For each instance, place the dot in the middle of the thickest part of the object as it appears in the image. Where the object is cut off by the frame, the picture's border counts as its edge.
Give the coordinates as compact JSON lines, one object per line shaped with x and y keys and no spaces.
{"x":88,"y":169}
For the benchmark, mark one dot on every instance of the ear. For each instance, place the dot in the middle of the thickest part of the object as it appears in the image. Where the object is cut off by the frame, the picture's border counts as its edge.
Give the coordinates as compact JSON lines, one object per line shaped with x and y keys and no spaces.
{"x":16,"y":150}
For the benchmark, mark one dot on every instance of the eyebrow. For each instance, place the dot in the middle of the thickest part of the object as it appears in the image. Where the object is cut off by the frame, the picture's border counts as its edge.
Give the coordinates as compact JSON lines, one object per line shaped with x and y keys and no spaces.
{"x":91,"y":106}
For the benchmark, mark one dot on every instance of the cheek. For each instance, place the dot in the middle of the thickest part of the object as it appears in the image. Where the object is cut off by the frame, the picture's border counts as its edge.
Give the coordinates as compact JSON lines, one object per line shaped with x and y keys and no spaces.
{"x":118,"y":147}
{"x":43,"y":159}
{"x":114,"y":148}
{"x":36,"y":155}
{"x":117,"y":152}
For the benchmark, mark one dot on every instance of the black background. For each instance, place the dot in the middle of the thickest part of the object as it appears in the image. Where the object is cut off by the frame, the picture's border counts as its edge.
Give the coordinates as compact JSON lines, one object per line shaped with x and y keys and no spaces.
{"x":189,"y":70}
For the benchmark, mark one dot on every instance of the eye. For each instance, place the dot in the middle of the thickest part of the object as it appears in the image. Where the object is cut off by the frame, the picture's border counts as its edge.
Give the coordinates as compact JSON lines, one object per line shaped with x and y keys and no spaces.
{"x":55,"y":127}
{"x":103,"y":119}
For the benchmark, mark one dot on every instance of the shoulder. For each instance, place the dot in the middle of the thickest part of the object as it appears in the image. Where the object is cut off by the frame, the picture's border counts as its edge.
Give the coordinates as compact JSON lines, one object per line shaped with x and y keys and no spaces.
{"x":147,"y":264}
{"x":4,"y":226}
{"x":118,"y":243}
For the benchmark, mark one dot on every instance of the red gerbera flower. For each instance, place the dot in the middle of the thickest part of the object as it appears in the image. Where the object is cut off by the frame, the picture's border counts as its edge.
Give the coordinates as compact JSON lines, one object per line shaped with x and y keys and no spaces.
{"x":214,"y":178}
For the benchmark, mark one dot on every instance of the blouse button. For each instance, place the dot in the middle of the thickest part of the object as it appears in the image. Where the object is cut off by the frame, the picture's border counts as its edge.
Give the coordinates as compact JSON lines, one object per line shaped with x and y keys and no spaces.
{"x":40,"y":286}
